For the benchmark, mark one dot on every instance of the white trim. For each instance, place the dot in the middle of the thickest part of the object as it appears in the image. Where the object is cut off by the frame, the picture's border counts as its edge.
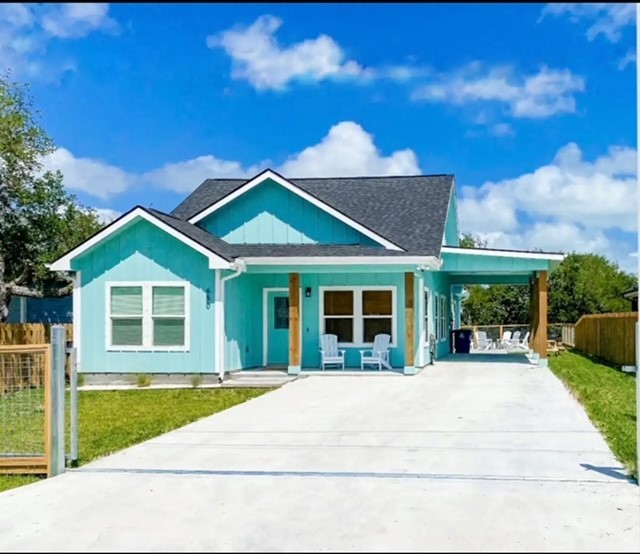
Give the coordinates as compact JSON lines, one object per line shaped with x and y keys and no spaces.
{"x":421,"y":324}
{"x":443,"y":317}
{"x":428,"y":309}
{"x":64,"y":263}
{"x":358,"y":318}
{"x":265,"y":322}
{"x":147,"y":316}
{"x":76,"y":308}
{"x":430,"y":261}
{"x":218,"y":325}
{"x":268,"y":174}
{"x":503,"y":253}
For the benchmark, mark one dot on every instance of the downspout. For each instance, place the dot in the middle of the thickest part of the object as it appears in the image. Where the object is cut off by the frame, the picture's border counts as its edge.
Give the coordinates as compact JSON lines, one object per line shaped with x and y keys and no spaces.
{"x":221,"y":334}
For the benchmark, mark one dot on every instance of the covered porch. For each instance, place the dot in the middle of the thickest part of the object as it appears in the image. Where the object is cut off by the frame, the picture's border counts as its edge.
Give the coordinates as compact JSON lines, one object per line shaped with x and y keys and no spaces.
{"x":477,"y":266}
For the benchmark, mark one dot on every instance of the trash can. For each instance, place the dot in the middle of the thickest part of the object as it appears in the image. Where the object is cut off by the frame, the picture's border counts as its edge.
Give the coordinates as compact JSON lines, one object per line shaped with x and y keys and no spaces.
{"x":462,"y":341}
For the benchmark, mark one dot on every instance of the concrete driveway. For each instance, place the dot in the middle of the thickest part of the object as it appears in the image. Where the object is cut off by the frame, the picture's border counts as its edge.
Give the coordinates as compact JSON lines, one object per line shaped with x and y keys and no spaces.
{"x":465,"y":456}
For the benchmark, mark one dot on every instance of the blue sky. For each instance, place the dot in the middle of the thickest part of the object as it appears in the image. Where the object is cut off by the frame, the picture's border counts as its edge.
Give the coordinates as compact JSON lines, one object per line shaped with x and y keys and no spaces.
{"x":531,"y":106}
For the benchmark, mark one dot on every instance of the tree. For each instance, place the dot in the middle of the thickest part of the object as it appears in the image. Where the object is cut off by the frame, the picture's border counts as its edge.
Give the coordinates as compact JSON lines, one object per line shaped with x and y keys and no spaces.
{"x":587,"y":284}
{"x":39,"y":220}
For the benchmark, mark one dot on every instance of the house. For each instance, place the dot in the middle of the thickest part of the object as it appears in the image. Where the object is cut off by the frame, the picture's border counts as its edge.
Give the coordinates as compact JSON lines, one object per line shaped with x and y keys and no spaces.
{"x":40,"y":310}
{"x":632,"y":294}
{"x":249,"y":273}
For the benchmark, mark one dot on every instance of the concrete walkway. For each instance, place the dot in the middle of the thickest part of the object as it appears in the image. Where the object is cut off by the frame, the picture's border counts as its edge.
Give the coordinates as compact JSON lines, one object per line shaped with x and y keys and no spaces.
{"x":465,"y":456}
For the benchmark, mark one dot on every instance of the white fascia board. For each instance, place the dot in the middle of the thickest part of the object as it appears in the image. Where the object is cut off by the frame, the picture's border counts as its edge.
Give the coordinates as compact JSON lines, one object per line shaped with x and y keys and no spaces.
{"x":64,"y":263}
{"x":302,"y":194}
{"x":429,"y":261}
{"x":503,"y":253}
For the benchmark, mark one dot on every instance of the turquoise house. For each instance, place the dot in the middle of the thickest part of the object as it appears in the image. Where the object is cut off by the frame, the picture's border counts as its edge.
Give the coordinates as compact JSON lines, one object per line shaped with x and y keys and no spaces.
{"x":247,"y":274}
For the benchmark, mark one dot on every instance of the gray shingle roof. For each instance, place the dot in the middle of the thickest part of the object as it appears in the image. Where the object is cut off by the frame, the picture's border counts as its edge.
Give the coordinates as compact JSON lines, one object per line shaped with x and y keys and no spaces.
{"x":409,"y":211}
{"x":202,"y":237}
{"x":310,"y":250}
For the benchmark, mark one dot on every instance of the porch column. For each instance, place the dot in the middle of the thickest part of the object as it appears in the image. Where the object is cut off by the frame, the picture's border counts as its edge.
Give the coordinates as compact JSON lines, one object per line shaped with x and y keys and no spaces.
{"x":294,"y":323}
{"x":533,"y":313}
{"x":541,"y":331}
{"x":409,"y":324}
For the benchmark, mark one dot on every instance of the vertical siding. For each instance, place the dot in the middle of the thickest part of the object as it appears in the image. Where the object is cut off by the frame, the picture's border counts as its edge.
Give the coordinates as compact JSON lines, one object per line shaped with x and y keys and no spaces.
{"x":271,"y":214}
{"x":142,"y":252}
{"x":438,"y":283}
{"x":451,"y":231}
{"x":244,"y":315}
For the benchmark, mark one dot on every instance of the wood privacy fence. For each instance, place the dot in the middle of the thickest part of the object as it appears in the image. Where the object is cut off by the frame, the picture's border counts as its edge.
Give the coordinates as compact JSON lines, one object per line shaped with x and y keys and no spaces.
{"x":611,"y":337}
{"x":12,"y":334}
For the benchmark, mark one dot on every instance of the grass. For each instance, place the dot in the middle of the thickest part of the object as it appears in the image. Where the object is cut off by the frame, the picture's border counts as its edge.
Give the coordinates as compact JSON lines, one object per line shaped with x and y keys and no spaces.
{"x":112,"y":420}
{"x":608,"y":397}
{"x":143,"y":380}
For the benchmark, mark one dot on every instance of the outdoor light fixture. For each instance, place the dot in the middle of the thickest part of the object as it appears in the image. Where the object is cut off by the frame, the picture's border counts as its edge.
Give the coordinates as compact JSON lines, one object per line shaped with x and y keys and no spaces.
{"x":307,"y":292}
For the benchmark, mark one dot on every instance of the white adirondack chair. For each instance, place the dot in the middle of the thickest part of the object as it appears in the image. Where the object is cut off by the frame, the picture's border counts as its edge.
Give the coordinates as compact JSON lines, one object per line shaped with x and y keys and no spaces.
{"x":379,"y":354}
{"x":482,"y":341}
{"x":329,"y":352}
{"x":514,"y":341}
{"x":524,"y":343}
{"x":504,"y":341}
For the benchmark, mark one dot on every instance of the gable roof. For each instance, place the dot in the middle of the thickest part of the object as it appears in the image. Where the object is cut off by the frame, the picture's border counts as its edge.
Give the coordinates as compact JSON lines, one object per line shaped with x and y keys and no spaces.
{"x":408,"y":211}
{"x":200,"y":240}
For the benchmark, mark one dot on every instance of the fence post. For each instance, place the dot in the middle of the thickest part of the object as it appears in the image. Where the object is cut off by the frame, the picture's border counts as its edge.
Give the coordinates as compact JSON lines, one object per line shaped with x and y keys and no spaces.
{"x":58,"y":351}
{"x":73,"y":407}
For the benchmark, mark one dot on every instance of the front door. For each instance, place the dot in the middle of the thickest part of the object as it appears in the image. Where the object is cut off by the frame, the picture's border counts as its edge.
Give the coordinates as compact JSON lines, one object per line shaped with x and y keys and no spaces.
{"x":277,"y":328}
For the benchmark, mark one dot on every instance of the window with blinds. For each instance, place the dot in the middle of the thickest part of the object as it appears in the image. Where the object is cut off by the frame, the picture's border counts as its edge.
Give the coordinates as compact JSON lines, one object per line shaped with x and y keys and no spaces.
{"x":147,"y":316}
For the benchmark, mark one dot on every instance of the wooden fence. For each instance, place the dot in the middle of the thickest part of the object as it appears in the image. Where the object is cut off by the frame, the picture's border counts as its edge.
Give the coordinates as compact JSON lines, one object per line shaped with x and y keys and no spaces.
{"x":13,"y":334}
{"x":611,"y":337}
{"x":560,"y":332}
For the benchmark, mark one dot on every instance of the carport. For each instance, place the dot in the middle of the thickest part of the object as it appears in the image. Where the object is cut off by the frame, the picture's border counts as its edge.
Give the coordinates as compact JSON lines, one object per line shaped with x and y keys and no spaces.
{"x":485,"y":266}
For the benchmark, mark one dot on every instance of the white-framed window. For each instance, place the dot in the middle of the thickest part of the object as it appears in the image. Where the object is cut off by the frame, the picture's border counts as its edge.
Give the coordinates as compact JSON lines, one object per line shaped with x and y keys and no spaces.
{"x":147,"y":315}
{"x":443,"y":318}
{"x":357,"y":314}
{"x":436,"y":315}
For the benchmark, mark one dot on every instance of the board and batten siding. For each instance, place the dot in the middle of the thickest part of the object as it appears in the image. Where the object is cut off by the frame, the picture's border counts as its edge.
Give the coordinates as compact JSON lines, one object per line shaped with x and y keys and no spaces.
{"x":271,"y":214}
{"x":244,"y":315}
{"x":142,"y":252}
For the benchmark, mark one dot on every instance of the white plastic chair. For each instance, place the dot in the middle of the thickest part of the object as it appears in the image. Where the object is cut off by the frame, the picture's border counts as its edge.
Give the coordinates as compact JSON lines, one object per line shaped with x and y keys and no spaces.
{"x":524,"y":343}
{"x":329,"y":352}
{"x":504,"y":341}
{"x":379,"y":354}
{"x":514,"y":341}
{"x":482,"y":341}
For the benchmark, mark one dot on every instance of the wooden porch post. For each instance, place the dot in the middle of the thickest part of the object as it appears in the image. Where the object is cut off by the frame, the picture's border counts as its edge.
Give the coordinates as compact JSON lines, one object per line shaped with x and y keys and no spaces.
{"x":294,"y":323}
{"x":541,"y":333}
{"x":409,"y":332}
{"x":533,"y":313}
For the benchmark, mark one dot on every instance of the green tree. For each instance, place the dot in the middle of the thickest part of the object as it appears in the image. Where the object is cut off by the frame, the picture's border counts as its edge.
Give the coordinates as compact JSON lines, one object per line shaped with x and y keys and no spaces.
{"x":587,"y":284}
{"x":39,"y":220}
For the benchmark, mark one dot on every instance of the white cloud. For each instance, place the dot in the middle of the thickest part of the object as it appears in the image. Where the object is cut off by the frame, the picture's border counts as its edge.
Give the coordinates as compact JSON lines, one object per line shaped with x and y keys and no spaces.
{"x":569,"y":204}
{"x":26,"y":30}
{"x":258,"y":58}
{"x":501,"y":130}
{"x":541,"y":95}
{"x":629,"y":57}
{"x":74,"y":20}
{"x":606,"y":19}
{"x":107,"y":215}
{"x":347,"y":150}
{"x":94,"y":177}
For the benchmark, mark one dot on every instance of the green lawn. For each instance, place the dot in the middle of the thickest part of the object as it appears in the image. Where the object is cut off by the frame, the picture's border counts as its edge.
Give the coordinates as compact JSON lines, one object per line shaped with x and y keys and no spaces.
{"x":112,"y":420}
{"x":608,"y":397}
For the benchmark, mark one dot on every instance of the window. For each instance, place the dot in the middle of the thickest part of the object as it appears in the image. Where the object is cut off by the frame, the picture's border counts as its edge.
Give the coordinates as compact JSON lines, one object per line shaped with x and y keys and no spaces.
{"x":281,"y":312}
{"x":356,"y":315}
{"x":147,"y":316}
{"x":426,"y":315}
{"x":436,"y":304}
{"x":443,"y":318}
